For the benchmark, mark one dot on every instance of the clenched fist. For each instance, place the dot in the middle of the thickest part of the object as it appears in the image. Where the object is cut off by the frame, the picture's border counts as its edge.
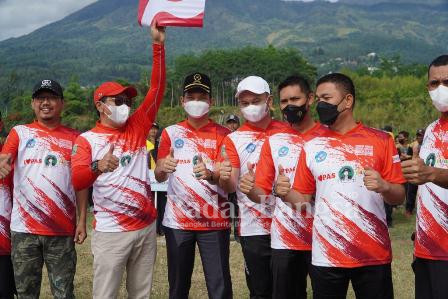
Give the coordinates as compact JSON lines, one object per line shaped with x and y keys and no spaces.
{"x":373,"y":181}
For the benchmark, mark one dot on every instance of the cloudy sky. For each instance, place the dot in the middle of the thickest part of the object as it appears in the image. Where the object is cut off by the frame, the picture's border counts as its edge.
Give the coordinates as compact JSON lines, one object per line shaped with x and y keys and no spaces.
{"x":19,"y":17}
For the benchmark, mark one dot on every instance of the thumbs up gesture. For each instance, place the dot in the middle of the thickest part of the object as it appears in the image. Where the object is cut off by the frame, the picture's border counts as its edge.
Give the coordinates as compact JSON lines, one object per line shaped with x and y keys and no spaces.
{"x":225,"y":168}
{"x":247,"y":182}
{"x":373,"y":180}
{"x":5,"y":165}
{"x":200,"y":169}
{"x":169,"y":163}
{"x":109,"y":162}
{"x":283,"y":184}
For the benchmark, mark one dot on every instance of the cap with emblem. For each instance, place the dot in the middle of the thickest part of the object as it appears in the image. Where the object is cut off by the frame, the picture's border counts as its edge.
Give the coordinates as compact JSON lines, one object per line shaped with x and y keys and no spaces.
{"x":232,"y":117}
{"x":420,"y":132}
{"x":253,"y":84}
{"x":197,"y":82}
{"x":48,"y":85}
{"x":109,"y":89}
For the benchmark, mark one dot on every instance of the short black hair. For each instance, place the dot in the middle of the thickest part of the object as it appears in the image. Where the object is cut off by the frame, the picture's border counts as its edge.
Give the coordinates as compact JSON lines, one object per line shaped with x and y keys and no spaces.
{"x":296,"y":80}
{"x":388,"y":128}
{"x":343,"y":82}
{"x":404,"y":133}
{"x":439,"y":61}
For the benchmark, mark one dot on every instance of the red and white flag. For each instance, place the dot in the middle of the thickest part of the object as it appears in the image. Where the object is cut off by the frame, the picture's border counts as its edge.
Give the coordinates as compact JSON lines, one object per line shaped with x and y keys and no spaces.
{"x":185,"y":13}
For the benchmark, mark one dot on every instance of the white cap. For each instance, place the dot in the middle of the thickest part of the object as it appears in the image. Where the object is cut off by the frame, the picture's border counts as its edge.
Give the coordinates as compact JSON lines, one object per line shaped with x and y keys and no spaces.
{"x":253,"y":84}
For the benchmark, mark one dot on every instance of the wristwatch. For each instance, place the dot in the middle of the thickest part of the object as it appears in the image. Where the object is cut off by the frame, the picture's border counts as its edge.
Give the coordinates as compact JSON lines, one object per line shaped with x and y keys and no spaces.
{"x":94,"y":166}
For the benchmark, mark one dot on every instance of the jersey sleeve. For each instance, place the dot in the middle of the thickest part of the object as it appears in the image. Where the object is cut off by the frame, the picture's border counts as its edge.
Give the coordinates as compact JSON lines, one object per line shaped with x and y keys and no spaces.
{"x":231,"y":152}
{"x":11,"y":145}
{"x":391,"y":170}
{"x":304,"y":181}
{"x":82,"y":175}
{"x":146,"y":113}
{"x":164,"y":146}
{"x":265,"y":171}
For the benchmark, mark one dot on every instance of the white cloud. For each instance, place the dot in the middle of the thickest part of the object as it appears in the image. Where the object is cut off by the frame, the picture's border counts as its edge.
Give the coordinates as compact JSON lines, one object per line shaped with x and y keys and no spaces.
{"x":19,"y":17}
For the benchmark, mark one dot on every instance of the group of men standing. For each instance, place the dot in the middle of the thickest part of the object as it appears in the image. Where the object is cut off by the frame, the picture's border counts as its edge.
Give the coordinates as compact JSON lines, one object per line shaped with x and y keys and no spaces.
{"x":310,"y":194}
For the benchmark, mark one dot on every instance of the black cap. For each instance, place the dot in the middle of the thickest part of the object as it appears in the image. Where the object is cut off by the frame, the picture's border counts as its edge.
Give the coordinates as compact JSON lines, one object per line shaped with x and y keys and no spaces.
{"x":50,"y":85}
{"x":420,"y":132}
{"x":232,"y":117}
{"x":156,"y":125}
{"x":198,"y":81}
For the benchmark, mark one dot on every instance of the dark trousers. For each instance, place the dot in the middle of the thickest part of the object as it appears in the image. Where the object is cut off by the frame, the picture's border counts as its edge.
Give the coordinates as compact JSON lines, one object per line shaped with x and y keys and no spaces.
{"x":431,"y":279}
{"x":389,"y":209}
{"x":257,"y":259}
{"x":369,"y":282}
{"x":214,"y":250}
{"x":289,"y":271}
{"x":235,"y":215}
{"x":7,"y":285}
{"x":161,"y":203}
{"x":411,"y":194}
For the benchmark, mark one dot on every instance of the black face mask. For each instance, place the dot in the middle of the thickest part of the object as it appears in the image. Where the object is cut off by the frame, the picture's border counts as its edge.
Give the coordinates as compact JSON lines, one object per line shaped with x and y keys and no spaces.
{"x":328,"y":113}
{"x":294,"y":114}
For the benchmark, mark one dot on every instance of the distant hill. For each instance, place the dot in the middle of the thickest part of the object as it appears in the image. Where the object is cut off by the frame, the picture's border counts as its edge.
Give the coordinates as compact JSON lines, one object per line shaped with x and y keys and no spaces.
{"x":103,"y":41}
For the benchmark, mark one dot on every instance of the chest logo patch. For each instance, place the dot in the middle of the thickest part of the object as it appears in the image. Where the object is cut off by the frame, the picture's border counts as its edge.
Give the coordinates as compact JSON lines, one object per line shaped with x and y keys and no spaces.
{"x":31,"y":143}
{"x":125,"y":160}
{"x":283,"y":151}
{"x":179,"y":143}
{"x":346,"y":174}
{"x":250,"y":148}
{"x":51,"y":160}
{"x":320,"y":156}
{"x":431,"y":160}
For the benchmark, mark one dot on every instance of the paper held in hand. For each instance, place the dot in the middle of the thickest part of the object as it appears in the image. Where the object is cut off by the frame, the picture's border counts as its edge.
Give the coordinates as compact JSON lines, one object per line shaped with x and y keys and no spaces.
{"x":183,"y":13}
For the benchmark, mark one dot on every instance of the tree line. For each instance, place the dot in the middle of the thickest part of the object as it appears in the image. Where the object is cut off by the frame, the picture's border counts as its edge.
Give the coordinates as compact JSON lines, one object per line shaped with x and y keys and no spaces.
{"x":392,"y":94}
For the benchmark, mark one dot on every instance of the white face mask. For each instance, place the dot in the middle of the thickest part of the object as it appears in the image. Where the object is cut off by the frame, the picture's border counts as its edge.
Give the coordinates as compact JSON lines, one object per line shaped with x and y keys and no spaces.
{"x":255,"y":113}
{"x":439,"y":97}
{"x":196,"y":109}
{"x":119,"y":114}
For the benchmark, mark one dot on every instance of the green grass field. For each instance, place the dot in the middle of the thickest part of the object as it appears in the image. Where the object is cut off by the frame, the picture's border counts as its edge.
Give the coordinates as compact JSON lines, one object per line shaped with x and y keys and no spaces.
{"x":402,"y":272}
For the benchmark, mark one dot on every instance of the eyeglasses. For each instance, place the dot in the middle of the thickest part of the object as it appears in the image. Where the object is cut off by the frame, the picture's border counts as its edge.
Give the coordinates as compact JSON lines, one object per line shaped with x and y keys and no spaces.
{"x":120,"y":100}
{"x":433,"y":84}
{"x":49,"y":98}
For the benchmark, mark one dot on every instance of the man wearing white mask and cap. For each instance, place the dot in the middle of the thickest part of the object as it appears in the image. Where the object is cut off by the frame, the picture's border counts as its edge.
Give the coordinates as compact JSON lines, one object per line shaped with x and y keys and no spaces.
{"x":237,"y":172}
{"x":430,"y":171}
{"x":197,"y":210}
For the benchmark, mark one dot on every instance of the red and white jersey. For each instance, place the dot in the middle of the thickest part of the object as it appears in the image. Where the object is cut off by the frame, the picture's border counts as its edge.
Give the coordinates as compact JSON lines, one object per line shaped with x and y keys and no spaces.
{"x":122,"y":198}
{"x":243,"y":146}
{"x":349,"y":228}
{"x":194,"y":204}
{"x":431,"y":240}
{"x":5,"y":214}
{"x":290,"y":228}
{"x":43,"y":196}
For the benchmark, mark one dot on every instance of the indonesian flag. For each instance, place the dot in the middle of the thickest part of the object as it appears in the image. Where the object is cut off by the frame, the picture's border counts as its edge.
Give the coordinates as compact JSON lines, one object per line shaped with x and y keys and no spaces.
{"x":185,"y":13}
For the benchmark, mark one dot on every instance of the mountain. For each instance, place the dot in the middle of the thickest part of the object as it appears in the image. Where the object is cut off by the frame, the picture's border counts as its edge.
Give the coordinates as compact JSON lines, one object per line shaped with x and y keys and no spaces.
{"x":103,"y":41}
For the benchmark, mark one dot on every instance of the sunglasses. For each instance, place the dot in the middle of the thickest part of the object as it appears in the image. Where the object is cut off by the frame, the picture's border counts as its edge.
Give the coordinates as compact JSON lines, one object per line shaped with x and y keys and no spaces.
{"x":120,"y":100}
{"x":433,"y":84}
